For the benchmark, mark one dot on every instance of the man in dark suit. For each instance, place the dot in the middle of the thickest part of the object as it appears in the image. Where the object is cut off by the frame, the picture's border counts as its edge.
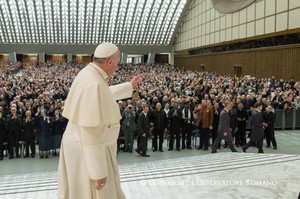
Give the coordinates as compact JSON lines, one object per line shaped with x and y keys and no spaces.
{"x":175,"y":116}
{"x":159,"y":119}
{"x":216,"y":120}
{"x":14,"y":132}
{"x":257,"y":129}
{"x":2,"y":134}
{"x":188,"y":118}
{"x":28,"y":125}
{"x":269,"y":118}
{"x":143,"y":128}
{"x":224,"y":131}
{"x":242,"y":117}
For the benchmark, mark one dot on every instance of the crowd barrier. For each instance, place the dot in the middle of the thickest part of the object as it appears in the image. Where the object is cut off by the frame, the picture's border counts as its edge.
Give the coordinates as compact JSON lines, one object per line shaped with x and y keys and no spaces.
{"x":284,"y":120}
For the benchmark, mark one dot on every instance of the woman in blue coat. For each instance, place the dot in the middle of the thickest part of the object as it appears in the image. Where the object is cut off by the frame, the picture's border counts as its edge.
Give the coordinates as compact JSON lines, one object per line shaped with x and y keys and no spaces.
{"x":44,"y":127}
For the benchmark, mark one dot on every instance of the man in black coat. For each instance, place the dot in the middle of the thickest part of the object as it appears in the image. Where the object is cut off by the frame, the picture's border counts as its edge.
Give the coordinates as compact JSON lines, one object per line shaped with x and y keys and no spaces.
{"x":175,"y":116}
{"x":242,"y":117}
{"x":2,"y":134}
{"x":257,"y":129}
{"x":188,"y":126}
{"x":269,"y":118}
{"x":14,"y":132}
{"x":214,"y":132}
{"x":28,"y":125}
{"x":224,"y":130}
{"x":143,"y":131}
{"x":159,"y":119}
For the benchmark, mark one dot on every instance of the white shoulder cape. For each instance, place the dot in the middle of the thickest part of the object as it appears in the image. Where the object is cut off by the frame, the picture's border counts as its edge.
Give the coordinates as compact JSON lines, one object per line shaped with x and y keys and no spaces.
{"x":91,"y":102}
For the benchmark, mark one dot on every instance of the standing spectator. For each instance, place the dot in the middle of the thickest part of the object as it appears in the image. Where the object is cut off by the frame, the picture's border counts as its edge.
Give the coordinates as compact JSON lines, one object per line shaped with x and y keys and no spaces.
{"x":257,"y":131}
{"x":188,"y":118}
{"x":224,"y":130}
{"x":242,"y":118}
{"x":159,"y":119}
{"x":28,"y":125}
{"x":21,"y":110}
{"x":14,"y":132}
{"x":138,"y":107}
{"x":175,"y":116}
{"x":205,"y":116}
{"x":138,"y":112}
{"x":277,"y":100}
{"x":129,"y":127}
{"x":44,"y":125}
{"x":233,"y":123}
{"x":167,"y":109}
{"x":121,"y":132}
{"x":2,"y":134}
{"x":269,"y":118}
{"x":296,"y":103}
{"x":143,"y":128}
{"x":57,"y":131}
{"x":217,"y":112}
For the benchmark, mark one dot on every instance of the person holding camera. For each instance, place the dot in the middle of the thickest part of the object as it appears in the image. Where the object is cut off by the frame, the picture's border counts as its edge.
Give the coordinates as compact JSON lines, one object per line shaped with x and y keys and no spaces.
{"x":128,"y":127}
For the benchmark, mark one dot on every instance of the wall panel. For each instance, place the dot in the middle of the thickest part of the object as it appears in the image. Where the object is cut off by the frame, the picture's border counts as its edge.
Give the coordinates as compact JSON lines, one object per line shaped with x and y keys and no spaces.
{"x":4,"y":58}
{"x":56,"y":58}
{"x":30,"y":58}
{"x":82,"y":58}
{"x":281,"y":62}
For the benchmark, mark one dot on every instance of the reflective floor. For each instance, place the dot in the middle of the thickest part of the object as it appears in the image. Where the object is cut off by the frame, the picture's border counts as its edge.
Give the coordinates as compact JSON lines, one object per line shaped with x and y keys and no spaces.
{"x":172,"y":174}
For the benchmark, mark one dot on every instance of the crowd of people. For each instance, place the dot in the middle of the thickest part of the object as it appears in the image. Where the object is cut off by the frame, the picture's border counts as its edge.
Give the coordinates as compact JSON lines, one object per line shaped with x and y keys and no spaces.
{"x":180,"y":102}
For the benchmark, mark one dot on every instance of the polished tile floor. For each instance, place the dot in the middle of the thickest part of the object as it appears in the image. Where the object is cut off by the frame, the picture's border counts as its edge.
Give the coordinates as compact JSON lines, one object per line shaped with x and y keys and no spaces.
{"x":172,"y":174}
{"x":288,"y":143}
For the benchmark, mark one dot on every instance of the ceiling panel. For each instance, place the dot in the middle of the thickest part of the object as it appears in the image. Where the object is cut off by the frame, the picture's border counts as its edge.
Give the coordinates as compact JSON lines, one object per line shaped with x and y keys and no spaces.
{"x":136,"y":22}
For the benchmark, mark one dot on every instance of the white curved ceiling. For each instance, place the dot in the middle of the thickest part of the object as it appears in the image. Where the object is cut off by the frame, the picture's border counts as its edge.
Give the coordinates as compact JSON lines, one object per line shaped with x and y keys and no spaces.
{"x":136,"y":22}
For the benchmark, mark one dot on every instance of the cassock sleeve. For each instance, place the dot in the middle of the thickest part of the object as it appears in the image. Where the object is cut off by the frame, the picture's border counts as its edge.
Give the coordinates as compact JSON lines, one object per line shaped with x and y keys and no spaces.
{"x":94,"y":151}
{"x":121,"y":91}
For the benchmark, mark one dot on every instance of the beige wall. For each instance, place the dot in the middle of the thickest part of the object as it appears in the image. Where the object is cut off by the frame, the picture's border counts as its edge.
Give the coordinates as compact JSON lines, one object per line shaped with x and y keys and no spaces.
{"x":29,"y":58}
{"x":4,"y":58}
{"x":203,"y":25}
{"x":281,"y":62}
{"x":56,"y":58}
{"x":82,"y":58}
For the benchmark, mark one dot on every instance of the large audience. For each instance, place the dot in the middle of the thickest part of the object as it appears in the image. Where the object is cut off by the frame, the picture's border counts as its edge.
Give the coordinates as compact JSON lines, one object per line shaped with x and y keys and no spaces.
{"x":35,"y":92}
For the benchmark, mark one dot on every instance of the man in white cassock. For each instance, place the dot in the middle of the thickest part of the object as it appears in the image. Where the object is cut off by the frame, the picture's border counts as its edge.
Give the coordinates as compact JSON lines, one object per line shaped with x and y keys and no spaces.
{"x":88,"y":166}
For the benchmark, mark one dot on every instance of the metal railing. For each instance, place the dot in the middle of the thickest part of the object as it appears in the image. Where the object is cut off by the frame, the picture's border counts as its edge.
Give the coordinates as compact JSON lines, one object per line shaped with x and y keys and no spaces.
{"x":284,"y":120}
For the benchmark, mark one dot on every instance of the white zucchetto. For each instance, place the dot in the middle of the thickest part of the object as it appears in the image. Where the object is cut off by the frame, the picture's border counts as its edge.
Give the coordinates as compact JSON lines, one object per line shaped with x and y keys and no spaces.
{"x":105,"y":50}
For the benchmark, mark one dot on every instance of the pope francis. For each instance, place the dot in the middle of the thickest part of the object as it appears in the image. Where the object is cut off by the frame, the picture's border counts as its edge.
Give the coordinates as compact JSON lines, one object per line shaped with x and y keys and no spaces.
{"x":88,"y":166}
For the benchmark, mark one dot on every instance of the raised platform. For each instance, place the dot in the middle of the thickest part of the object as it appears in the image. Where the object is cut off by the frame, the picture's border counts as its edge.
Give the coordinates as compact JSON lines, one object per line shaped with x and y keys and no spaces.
{"x":221,"y":175}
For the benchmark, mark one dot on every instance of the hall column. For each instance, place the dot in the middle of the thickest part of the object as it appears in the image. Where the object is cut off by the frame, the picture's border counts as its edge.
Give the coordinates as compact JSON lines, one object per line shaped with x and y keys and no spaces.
{"x":171,"y":56}
{"x":124,"y":58}
{"x":13,"y":57}
{"x":41,"y":57}
{"x":151,"y":58}
{"x":69,"y":57}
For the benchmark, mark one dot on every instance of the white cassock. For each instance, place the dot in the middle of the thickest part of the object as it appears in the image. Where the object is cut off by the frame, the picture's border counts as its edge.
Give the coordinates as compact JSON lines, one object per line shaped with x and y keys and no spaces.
{"x":89,"y":144}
